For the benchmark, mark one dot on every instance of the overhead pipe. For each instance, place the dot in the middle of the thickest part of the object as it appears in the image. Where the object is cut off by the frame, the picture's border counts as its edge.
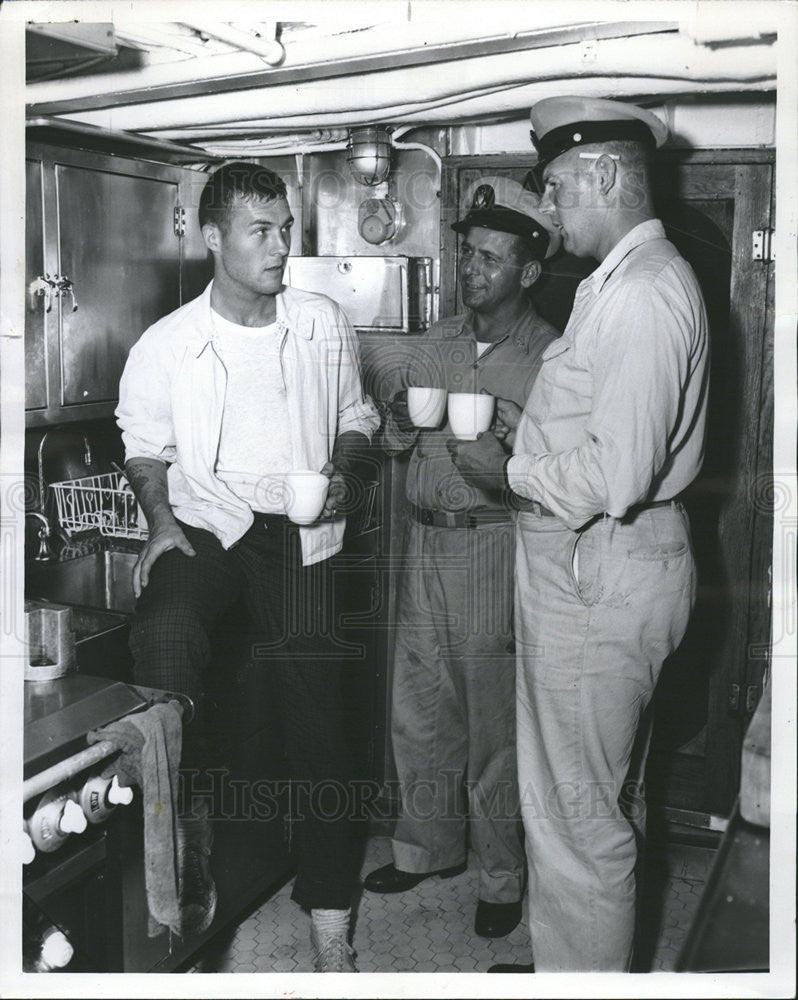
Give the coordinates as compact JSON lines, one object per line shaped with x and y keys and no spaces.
{"x":307,"y":142}
{"x":314,"y":141}
{"x":507,"y":103}
{"x":682,"y":66}
{"x":347,"y":54}
{"x":302,"y":144}
{"x":269,"y":50}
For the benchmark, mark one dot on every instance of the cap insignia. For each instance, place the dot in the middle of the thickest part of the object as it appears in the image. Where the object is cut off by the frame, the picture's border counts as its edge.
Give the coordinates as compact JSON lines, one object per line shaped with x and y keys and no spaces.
{"x":484,"y":198}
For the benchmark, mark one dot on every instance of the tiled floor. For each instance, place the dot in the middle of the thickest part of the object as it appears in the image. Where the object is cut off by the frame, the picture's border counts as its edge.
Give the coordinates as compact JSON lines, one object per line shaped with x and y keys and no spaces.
{"x":430,"y":928}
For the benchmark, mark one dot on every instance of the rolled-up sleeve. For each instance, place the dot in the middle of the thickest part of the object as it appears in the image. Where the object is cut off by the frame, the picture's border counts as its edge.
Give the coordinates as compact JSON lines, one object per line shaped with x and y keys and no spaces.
{"x":356,"y":411}
{"x":144,"y":413}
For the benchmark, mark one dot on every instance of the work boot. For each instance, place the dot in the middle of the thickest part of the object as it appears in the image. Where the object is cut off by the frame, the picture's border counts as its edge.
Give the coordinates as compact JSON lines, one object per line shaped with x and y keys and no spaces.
{"x":332,"y":953}
{"x":197,"y":890}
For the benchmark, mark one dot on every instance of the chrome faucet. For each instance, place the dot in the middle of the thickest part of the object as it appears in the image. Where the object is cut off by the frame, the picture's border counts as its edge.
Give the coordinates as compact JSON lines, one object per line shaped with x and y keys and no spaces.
{"x":44,"y":554}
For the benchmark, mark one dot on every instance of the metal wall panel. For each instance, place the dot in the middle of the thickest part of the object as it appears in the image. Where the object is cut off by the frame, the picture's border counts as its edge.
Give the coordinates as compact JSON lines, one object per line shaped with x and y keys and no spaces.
{"x":334,"y":198}
{"x":375,"y":292}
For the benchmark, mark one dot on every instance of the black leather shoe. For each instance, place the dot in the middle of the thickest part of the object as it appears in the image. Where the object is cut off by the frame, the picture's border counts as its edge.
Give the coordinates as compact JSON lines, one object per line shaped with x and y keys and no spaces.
{"x":512,"y":968}
{"x":495,"y":920}
{"x":390,"y":879}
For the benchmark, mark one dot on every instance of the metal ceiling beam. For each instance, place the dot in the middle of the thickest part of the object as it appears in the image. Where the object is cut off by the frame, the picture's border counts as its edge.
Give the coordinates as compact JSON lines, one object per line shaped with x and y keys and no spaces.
{"x":63,"y":131}
{"x":449,"y":52}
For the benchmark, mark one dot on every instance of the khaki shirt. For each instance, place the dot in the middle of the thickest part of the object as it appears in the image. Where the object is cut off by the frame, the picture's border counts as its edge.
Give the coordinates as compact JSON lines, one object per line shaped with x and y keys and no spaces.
{"x":506,"y":369}
{"x":617,"y":414}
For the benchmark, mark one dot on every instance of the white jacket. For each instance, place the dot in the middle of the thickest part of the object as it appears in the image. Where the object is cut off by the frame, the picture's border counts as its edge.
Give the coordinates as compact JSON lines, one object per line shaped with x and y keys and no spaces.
{"x":171,"y":400}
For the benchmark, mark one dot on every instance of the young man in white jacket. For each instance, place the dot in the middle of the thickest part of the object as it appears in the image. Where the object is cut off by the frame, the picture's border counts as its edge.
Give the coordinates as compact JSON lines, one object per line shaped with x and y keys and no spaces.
{"x":218,"y":401}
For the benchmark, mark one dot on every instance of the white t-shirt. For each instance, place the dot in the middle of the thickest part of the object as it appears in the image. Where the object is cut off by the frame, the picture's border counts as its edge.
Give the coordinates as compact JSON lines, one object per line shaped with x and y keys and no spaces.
{"x":255,"y":444}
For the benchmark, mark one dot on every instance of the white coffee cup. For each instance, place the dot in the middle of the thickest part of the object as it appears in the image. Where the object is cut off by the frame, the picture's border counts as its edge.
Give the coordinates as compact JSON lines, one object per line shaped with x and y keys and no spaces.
{"x":470,"y":413}
{"x":426,"y":405}
{"x":304,"y":493}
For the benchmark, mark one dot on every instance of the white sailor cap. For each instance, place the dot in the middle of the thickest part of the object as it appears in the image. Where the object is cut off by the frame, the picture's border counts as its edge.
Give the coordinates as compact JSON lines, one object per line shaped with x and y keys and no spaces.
{"x":561,"y":123}
{"x":503,"y":204}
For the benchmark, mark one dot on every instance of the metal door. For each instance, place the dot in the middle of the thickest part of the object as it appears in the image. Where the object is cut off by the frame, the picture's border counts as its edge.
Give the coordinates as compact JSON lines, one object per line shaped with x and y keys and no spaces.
{"x":119,"y":263}
{"x":37,"y":291}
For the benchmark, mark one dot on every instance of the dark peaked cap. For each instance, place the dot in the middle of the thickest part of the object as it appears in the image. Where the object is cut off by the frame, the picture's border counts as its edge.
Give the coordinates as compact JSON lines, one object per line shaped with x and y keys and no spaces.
{"x":561,"y":123}
{"x":506,"y":206}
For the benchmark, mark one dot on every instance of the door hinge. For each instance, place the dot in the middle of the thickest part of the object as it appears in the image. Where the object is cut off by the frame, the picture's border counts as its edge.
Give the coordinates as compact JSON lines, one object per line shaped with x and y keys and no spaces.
{"x":179,"y":220}
{"x":762,"y":244}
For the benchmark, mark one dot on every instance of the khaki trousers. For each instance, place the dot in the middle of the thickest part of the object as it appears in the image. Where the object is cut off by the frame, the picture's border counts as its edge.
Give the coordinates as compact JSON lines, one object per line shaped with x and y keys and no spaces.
{"x":597,"y":612}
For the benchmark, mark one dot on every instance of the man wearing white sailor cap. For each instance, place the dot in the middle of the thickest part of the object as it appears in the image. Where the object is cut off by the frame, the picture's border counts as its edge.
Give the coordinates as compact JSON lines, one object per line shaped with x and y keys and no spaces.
{"x":612,"y":433}
{"x":453,"y":702}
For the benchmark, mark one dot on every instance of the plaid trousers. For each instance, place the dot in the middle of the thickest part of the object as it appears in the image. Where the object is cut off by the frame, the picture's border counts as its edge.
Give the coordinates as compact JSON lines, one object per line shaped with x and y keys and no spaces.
{"x":291,"y":606}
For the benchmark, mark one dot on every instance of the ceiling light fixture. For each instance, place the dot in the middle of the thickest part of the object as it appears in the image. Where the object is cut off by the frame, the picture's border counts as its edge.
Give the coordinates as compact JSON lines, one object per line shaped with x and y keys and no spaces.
{"x":369,"y":155}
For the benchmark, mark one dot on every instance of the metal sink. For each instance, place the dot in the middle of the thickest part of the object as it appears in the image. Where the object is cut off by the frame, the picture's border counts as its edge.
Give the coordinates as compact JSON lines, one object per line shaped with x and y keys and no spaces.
{"x":99,"y":580}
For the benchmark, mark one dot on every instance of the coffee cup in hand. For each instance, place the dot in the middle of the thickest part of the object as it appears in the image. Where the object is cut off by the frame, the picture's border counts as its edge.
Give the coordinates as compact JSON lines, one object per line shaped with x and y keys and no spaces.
{"x":426,"y":405}
{"x":470,"y":413}
{"x":304,"y":493}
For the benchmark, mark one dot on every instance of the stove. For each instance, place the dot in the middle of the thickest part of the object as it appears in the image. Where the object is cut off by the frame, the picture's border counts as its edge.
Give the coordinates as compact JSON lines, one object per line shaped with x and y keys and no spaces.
{"x":84,"y":899}
{"x":59,"y":714}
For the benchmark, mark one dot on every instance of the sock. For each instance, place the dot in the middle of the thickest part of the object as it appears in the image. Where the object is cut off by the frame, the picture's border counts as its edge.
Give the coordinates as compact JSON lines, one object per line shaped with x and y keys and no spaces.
{"x":329,"y":923}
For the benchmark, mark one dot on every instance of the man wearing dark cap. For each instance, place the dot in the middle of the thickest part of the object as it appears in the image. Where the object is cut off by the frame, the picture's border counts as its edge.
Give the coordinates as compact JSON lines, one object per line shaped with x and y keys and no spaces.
{"x":453,"y":709}
{"x":611,"y":434}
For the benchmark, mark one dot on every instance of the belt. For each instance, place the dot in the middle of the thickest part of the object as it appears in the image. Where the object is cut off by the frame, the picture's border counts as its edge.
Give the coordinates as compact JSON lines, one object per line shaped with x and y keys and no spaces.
{"x":459,"y":519}
{"x":532,"y":506}
{"x":272,"y":521}
{"x":537,"y":508}
{"x":632,"y":512}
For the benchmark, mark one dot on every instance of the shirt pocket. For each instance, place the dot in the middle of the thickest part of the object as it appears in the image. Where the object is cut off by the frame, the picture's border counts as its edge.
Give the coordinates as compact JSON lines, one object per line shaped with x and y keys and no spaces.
{"x":555,"y":349}
{"x":571,"y":382}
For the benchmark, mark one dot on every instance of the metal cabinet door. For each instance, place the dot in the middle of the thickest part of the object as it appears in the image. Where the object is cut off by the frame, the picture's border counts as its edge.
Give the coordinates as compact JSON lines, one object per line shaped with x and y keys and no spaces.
{"x":371,"y":290}
{"x":118,"y":248}
{"x":36,"y":305}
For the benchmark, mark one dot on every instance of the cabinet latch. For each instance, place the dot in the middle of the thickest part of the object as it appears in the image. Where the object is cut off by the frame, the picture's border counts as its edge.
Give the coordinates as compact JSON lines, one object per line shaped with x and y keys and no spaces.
{"x":751,"y":698}
{"x":743,"y":698}
{"x":762,"y":247}
{"x":179,"y":220}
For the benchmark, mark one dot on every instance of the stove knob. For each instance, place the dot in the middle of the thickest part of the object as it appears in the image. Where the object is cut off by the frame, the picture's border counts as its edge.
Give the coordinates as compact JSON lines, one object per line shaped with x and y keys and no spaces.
{"x":56,"y":950}
{"x":44,"y":824}
{"x":72,"y":818}
{"x":119,"y":795}
{"x":99,"y":796}
{"x":28,"y":851}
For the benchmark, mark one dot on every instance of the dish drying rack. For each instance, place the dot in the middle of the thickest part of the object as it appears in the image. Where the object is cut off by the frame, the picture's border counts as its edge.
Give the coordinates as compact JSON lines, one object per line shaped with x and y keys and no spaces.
{"x":105,"y":502}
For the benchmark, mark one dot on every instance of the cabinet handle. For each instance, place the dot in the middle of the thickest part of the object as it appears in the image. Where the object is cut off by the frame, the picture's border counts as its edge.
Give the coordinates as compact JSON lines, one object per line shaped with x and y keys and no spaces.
{"x":41,"y":287}
{"x":64,"y":285}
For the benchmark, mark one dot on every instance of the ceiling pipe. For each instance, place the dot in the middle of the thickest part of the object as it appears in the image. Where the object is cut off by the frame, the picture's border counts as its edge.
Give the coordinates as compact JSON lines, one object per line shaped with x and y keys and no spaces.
{"x":268,"y":49}
{"x":502,"y":104}
{"x":302,"y":144}
{"x":424,"y":148}
{"x":349,"y":53}
{"x":650,"y":60}
{"x":260,"y":147}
